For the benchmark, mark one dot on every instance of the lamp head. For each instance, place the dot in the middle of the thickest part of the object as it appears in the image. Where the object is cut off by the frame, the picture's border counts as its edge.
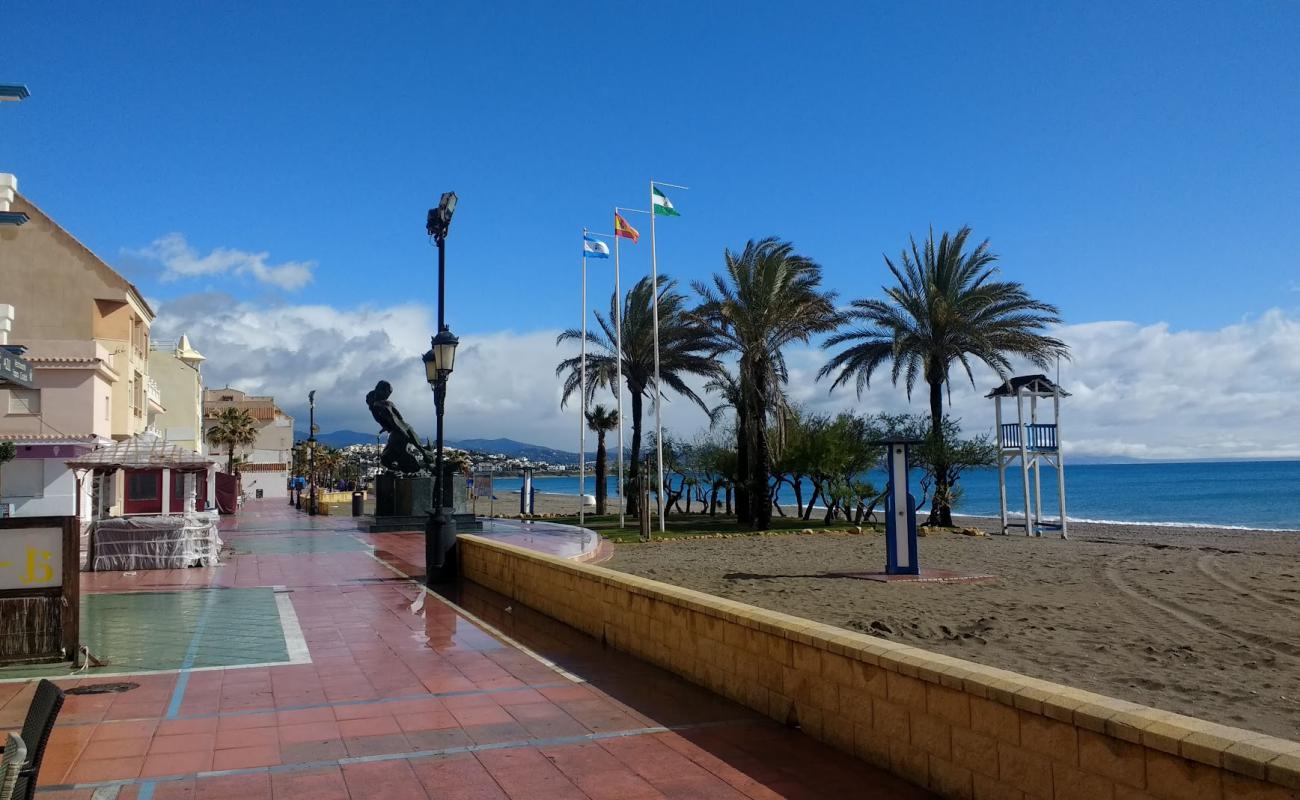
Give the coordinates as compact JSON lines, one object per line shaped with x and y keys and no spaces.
{"x":441,"y":357}
{"x":439,"y":220}
{"x":13,"y":92}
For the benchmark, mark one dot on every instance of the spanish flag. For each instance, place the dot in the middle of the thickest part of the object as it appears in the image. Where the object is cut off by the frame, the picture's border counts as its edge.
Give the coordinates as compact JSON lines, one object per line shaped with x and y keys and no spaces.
{"x":621,"y":228}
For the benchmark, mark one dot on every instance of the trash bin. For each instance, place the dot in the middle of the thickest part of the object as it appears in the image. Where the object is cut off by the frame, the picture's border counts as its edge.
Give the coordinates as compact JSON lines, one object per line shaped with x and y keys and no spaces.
{"x":358,"y":498}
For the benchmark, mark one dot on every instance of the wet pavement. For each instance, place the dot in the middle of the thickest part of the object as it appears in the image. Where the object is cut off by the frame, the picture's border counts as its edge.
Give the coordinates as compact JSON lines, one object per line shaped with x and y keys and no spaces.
{"x":310,"y":665}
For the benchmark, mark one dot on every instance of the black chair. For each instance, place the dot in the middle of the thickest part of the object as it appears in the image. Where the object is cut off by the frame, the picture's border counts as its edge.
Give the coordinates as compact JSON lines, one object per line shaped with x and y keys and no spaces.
{"x":36,"y":734}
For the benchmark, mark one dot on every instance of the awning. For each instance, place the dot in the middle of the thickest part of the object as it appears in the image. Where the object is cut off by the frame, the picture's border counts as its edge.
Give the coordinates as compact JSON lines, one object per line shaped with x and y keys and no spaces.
{"x":144,"y":451}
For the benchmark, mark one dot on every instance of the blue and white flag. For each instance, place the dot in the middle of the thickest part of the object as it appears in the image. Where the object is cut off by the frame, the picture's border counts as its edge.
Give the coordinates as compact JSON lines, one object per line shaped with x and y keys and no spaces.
{"x":594,"y":248}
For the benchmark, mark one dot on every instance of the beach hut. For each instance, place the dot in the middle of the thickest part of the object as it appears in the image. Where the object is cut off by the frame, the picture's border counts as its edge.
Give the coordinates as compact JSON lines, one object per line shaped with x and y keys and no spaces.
{"x":151,"y":507}
{"x":1031,"y":442}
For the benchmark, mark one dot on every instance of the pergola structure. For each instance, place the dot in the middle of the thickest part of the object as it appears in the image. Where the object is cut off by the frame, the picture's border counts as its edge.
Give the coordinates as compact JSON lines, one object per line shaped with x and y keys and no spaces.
{"x":149,"y":474}
{"x":1031,"y":443}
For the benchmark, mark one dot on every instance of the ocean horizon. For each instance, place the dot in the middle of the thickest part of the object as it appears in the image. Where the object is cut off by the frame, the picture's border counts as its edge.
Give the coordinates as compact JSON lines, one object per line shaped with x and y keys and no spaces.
{"x":1263,"y":495}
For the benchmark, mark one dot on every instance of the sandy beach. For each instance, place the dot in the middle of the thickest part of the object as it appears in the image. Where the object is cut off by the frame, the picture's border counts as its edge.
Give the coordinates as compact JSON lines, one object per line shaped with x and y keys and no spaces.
{"x":1199,"y":621}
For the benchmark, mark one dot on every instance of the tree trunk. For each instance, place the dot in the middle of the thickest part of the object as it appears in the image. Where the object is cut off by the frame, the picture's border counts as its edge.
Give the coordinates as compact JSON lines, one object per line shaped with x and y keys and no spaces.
{"x":760,"y":467}
{"x":230,"y":460}
{"x":633,"y":490}
{"x":941,"y":511}
{"x":798,"y":495}
{"x":601,"y":468}
{"x":741,"y":485}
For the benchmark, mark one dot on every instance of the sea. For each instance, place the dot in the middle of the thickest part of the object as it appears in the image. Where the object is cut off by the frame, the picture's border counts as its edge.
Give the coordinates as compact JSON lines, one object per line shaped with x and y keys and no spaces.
{"x":1229,"y":494}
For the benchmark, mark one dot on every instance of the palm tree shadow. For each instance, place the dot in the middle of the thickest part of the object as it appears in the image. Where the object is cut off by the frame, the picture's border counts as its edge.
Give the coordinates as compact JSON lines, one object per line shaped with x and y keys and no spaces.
{"x":755,"y":576}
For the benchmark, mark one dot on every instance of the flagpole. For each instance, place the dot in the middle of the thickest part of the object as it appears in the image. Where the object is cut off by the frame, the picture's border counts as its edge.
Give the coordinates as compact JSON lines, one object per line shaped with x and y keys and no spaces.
{"x":654,"y":273}
{"x":582,"y":415}
{"x":618,"y":381}
{"x":659,"y":430}
{"x":618,"y":326}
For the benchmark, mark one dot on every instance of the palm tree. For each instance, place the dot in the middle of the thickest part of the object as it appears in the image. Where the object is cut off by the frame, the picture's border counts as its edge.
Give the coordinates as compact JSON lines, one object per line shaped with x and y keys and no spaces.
{"x":768,"y":298}
{"x":234,"y":427}
{"x":946,"y":308}
{"x":685,"y":350}
{"x":727,"y":386}
{"x":601,"y":420}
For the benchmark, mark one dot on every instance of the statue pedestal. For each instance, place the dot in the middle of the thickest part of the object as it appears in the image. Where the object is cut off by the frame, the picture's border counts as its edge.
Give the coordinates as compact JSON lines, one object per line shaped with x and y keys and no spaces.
{"x":404,"y":504}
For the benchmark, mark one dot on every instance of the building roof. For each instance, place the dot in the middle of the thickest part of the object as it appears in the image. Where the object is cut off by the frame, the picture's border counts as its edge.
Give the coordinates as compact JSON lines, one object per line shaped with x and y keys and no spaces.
{"x":45,"y":438}
{"x":186,"y":352}
{"x":129,"y":288}
{"x":144,"y":451}
{"x":258,"y":466}
{"x":1032,"y":384}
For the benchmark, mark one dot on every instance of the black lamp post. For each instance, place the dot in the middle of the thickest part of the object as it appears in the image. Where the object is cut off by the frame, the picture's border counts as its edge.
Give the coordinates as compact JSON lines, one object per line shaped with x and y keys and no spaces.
{"x":311,"y":452}
{"x":440,"y":536}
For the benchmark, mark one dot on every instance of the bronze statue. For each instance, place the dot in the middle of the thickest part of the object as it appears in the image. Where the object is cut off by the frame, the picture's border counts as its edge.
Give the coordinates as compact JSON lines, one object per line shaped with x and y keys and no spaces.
{"x":403,"y":453}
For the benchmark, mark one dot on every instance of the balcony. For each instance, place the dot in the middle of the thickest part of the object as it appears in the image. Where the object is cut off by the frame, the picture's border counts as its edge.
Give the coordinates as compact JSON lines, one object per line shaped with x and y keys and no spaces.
{"x":154,"y":395}
{"x":1037,"y":438}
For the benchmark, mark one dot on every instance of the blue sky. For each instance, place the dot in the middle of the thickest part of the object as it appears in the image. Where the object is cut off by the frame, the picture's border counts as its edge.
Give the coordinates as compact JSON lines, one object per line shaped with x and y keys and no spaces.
{"x":1132,"y":162}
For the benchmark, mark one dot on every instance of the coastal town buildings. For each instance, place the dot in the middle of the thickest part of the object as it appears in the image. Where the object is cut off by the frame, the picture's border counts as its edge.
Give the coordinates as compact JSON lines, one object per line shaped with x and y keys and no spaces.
{"x":264,"y":465}
{"x":85,"y":330}
{"x":177,"y":369}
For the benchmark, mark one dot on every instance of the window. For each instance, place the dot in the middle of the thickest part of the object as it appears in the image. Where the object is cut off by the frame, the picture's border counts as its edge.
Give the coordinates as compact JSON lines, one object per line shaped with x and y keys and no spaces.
{"x":108,"y":408}
{"x":137,"y":394}
{"x":24,"y":401}
{"x":142,"y":486}
{"x":23,"y":477}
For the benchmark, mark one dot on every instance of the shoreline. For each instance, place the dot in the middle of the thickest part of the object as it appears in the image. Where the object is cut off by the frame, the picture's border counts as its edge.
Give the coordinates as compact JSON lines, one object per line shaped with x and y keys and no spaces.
{"x":555,"y":502}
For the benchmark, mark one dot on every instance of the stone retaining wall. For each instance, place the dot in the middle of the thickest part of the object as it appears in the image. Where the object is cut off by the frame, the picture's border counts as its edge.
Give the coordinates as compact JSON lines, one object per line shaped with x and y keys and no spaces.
{"x":962,"y":729}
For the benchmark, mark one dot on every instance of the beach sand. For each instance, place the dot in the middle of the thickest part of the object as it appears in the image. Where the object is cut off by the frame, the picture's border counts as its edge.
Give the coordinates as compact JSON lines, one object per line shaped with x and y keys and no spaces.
{"x":1203,"y":622}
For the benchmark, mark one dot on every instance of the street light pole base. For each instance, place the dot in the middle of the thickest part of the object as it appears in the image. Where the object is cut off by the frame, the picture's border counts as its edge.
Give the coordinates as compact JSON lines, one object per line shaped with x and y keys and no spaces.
{"x":440,"y":548}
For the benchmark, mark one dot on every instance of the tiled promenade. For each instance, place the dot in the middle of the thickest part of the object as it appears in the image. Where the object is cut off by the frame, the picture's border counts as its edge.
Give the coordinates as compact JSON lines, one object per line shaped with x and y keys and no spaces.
{"x":309,"y":666}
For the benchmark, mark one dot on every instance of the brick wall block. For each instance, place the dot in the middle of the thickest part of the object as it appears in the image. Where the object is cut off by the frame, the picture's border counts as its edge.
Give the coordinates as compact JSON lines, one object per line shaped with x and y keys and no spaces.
{"x":996,"y":719}
{"x":1024,"y":769}
{"x":1173,"y":778}
{"x":1122,"y":762}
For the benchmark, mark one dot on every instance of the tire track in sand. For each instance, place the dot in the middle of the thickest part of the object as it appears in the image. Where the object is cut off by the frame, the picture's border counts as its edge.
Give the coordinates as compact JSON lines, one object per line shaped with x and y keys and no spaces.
{"x":1192,"y":618}
{"x":1206,"y":564}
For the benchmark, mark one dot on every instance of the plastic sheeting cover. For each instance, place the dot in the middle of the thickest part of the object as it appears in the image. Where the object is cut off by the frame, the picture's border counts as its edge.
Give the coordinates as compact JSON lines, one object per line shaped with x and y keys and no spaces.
{"x":165,"y":542}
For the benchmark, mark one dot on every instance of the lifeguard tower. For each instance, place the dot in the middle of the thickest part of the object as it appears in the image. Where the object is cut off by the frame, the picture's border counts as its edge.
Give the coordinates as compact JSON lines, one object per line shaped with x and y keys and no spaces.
{"x":1031,"y":443}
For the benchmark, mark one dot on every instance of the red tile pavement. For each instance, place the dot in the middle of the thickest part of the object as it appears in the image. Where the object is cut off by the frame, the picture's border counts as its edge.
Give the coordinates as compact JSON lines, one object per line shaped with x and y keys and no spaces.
{"x":407,"y":697}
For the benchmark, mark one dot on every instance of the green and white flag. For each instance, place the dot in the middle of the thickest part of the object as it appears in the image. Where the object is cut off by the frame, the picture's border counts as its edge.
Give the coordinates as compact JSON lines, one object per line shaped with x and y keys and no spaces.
{"x":662,"y":205}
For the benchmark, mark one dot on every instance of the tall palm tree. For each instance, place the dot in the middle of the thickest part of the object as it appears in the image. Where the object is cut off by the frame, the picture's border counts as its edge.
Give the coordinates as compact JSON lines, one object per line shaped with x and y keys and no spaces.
{"x":601,"y":420}
{"x":233,"y":427}
{"x":685,"y":350}
{"x":945,"y":309}
{"x":768,"y":298}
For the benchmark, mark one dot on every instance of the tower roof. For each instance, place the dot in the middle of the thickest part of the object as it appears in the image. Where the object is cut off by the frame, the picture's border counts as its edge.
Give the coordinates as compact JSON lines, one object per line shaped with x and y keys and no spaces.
{"x":1032,"y":384}
{"x":186,"y":352}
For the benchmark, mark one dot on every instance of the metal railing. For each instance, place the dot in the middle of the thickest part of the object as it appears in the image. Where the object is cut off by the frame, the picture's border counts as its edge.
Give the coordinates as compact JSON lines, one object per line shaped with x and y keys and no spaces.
{"x":152,"y":390}
{"x":1036,"y":437}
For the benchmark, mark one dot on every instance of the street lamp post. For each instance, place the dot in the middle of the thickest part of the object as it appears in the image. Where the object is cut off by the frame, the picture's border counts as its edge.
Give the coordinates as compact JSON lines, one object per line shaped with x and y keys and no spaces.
{"x":311,"y":452}
{"x":440,"y":535}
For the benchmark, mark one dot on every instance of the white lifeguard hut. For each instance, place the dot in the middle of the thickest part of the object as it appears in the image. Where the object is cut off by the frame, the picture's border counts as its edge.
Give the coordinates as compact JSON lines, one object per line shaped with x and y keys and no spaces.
{"x":1031,"y":443}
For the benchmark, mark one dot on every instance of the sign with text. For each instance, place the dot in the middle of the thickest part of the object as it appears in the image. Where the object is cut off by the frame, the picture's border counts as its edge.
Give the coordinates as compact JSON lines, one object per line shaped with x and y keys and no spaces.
{"x":15,"y":370}
{"x":31,"y":558}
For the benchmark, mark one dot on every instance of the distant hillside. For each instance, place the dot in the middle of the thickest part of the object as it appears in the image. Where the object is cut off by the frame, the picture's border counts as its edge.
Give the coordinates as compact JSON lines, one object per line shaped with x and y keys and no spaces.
{"x":509,"y":447}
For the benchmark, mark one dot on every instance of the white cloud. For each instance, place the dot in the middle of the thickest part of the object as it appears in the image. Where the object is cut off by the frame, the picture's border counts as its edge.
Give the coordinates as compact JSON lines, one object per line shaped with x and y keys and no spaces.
{"x":180,"y":260}
{"x":1138,"y":391}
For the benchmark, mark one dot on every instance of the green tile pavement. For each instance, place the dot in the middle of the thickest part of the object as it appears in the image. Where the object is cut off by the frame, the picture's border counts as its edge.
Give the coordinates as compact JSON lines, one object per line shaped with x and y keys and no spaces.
{"x":296,"y":545}
{"x":148,"y":631}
